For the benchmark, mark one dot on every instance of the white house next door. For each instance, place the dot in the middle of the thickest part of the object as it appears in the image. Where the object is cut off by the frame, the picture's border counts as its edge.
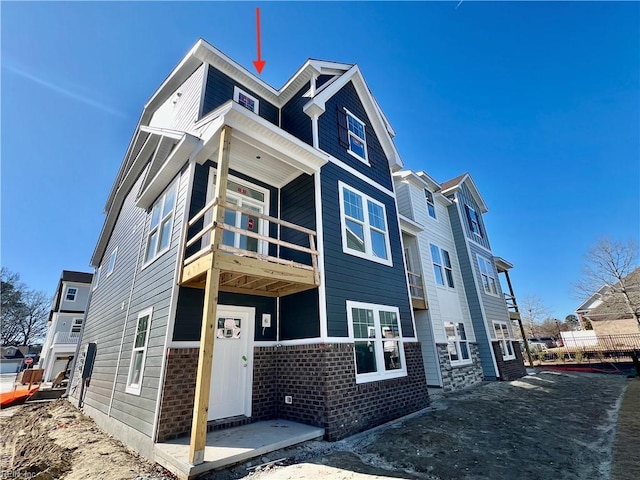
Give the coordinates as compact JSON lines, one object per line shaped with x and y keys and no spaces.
{"x":231,"y":377}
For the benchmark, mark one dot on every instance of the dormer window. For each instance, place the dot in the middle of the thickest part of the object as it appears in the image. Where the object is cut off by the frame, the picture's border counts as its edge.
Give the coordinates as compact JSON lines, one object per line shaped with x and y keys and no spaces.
{"x":247,"y":101}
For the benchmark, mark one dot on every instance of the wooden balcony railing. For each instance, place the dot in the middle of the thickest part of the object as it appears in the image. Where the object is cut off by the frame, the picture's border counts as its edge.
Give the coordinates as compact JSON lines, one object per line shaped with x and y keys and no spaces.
{"x":512,"y":306}
{"x":246,"y":271}
{"x":416,"y":287}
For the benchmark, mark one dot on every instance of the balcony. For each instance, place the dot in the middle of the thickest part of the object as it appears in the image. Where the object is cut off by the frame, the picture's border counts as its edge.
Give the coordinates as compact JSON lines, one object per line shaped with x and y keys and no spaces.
{"x":247,"y":271}
{"x":512,"y":306}
{"x":65,"y":338}
{"x":416,"y":287}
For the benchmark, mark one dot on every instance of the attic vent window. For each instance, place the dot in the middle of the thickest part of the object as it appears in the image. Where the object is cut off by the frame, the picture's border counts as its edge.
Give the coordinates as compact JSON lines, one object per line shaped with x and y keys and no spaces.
{"x":247,"y":101}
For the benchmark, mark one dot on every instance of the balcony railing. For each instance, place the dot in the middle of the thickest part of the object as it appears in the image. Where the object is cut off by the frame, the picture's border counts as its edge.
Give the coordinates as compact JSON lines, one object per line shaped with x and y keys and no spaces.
{"x":247,"y":271}
{"x":512,"y":306}
{"x":65,"y":338}
{"x":416,"y":287}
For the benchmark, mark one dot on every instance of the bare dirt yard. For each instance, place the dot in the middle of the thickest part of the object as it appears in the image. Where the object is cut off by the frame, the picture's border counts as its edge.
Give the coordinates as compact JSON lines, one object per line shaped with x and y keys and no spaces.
{"x":548,"y":425}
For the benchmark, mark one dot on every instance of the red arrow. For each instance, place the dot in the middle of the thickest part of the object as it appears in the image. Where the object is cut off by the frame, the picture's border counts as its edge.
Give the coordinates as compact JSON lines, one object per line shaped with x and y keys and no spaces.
{"x":259,"y":63}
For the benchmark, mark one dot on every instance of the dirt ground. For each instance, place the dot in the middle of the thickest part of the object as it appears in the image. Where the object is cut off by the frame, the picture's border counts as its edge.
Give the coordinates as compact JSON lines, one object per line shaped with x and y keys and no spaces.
{"x":548,"y":425}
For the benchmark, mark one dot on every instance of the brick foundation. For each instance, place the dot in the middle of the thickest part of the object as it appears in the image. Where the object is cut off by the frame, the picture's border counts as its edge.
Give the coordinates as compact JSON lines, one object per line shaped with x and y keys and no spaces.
{"x":320,"y":378}
{"x":456,"y":377}
{"x":509,"y":369}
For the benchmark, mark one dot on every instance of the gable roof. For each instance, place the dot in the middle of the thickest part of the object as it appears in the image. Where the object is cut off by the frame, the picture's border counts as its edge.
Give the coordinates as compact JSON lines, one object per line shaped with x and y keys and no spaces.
{"x":613,"y":305}
{"x":452,"y":185}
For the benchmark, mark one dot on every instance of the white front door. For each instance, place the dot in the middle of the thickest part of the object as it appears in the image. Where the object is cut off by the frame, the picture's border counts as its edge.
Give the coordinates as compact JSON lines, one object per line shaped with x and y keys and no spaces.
{"x":231,"y":377}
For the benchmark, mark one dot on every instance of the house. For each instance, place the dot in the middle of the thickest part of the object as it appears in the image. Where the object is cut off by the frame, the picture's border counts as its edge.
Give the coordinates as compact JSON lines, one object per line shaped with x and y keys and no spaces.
{"x":609,"y":312}
{"x":65,"y":322}
{"x":250,"y":266}
{"x":500,"y":354}
{"x":443,"y":320}
{"x":12,"y":358}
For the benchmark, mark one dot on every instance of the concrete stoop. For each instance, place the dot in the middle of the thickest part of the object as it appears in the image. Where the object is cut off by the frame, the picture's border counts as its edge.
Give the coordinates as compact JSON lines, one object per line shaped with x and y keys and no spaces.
{"x":234,"y":445}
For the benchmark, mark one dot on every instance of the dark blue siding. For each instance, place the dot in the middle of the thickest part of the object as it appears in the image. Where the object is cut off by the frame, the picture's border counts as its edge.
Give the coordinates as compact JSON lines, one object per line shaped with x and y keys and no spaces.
{"x":219,"y":90}
{"x":348,"y":98}
{"x":352,"y":278}
{"x":322,"y":79}
{"x":300,"y":315}
{"x":191,"y":303}
{"x":294,"y":120}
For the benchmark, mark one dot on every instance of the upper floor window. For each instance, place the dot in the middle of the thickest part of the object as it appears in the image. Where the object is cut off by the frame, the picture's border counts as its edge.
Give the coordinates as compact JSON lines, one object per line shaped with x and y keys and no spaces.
{"x":247,"y":101}
{"x":378,"y":342}
{"x":473,"y":220}
{"x":96,"y":277}
{"x":364,"y":226}
{"x":139,"y":353}
{"x":431,"y":208}
{"x":71,"y":294}
{"x":504,"y":337}
{"x":457,"y":344}
{"x":159,"y":235}
{"x":112,"y":261}
{"x":487,"y":273}
{"x":76,"y":326}
{"x":442,"y":266}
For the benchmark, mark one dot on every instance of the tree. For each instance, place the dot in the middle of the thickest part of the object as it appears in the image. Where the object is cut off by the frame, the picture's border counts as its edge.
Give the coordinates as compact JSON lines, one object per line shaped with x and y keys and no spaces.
{"x":613,"y":264}
{"x":24,"y":311}
{"x":533,"y":311}
{"x":572,"y":322}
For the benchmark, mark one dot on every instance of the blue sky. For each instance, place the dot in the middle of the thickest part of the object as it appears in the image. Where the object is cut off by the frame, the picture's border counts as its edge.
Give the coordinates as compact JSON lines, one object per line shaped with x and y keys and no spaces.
{"x":539,"y":101}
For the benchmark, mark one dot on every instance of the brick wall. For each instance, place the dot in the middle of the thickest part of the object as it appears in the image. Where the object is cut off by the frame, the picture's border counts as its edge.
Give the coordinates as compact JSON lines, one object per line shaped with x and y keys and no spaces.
{"x":455,"y":377}
{"x":509,"y":369}
{"x":321,"y":381}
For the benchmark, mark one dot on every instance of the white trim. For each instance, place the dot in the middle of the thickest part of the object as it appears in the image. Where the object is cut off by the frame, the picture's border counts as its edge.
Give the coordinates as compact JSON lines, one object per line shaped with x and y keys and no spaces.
{"x":322,"y":292}
{"x":457,"y":341}
{"x":368,"y":246}
{"x":381,"y":373}
{"x":443,"y":267}
{"x":160,"y":200}
{"x":359,"y":175}
{"x":495,"y":276}
{"x":136,"y":388}
{"x":111,"y":267}
{"x":184,"y":344}
{"x":236,"y":98}
{"x":203,"y":89}
{"x":350,"y":134}
{"x":505,"y":341}
{"x":66,"y":293}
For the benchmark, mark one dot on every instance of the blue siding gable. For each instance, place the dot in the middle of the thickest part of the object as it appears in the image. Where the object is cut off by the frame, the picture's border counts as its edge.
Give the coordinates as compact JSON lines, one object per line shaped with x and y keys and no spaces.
{"x":465,"y":198}
{"x":348,"y":277}
{"x":294,"y":120}
{"x":219,"y":90}
{"x":348,"y":98}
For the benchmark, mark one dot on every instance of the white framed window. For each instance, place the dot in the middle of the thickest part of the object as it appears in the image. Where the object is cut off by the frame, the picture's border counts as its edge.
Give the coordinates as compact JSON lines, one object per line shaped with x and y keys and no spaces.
{"x":457,"y":344}
{"x":378,"y":342}
{"x":76,"y":327}
{"x":161,"y":225}
{"x":431,"y":207}
{"x":247,"y":101}
{"x":139,"y":352}
{"x":474,"y":220}
{"x":357,"y":137}
{"x":504,"y":338}
{"x":96,"y":277}
{"x":488,"y":275}
{"x":442,"y":269}
{"x":112,"y":261}
{"x":72,"y":293}
{"x":364,"y":226}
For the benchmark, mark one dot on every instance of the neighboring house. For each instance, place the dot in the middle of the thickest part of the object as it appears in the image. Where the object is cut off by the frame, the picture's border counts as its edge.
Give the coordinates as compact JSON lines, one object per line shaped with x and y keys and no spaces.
{"x":608,"y":309}
{"x":444,"y":329}
{"x":12,"y":358}
{"x":500,"y":353}
{"x":65,"y":322}
{"x":313,"y":320}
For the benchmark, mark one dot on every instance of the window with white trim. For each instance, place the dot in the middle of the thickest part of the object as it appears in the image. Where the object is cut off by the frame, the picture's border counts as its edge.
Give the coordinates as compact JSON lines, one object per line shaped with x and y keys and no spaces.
{"x":139,"y":352}
{"x":431,"y":207}
{"x":442,"y":266}
{"x":112,"y":261}
{"x":457,"y":343}
{"x":76,"y":327}
{"x":247,"y":101}
{"x":96,"y":277}
{"x":159,"y":235}
{"x":378,"y":342}
{"x":474,"y":220}
{"x":488,"y":276}
{"x":357,"y":136}
{"x":504,"y":338}
{"x":72,"y":293}
{"x":364,"y":226}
